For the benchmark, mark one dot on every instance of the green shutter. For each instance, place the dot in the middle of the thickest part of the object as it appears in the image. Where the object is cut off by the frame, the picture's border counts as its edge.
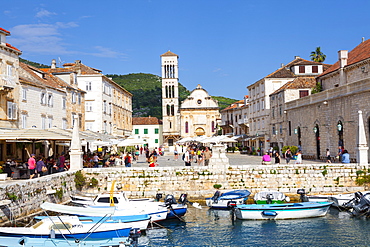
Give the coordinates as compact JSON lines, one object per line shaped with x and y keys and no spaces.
{"x":136,"y":131}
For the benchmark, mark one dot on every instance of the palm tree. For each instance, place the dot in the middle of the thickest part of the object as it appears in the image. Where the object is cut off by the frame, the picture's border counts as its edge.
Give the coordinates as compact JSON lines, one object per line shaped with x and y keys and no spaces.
{"x":317,"y":55}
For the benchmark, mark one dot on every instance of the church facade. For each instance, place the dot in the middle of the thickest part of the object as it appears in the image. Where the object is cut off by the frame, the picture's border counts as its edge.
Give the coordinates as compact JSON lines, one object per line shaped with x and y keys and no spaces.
{"x":196,"y":116}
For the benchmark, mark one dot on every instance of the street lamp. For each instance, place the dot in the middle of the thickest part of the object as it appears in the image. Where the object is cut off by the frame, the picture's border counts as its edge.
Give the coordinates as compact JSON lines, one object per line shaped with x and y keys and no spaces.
{"x":339,"y":126}
{"x":315,"y":129}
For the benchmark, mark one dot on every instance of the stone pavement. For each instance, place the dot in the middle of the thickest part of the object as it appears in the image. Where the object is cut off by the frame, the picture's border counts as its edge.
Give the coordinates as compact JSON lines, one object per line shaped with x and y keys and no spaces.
{"x":234,"y":159}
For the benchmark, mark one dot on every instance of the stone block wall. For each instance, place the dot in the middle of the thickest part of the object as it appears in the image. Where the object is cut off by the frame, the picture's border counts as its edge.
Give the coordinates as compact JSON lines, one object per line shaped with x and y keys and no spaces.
{"x":198,"y":182}
{"x":28,"y":195}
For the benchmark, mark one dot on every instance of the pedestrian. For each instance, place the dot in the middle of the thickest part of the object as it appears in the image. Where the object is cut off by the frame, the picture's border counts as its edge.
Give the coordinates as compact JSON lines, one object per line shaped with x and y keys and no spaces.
{"x":176,"y":154}
{"x":32,"y":166}
{"x":288,"y":155}
{"x":299,"y":157}
{"x":345,"y":157}
{"x":328,"y":158}
{"x":187,"y":158}
{"x":127,"y":160}
{"x":266,"y":159}
{"x":277,"y":158}
{"x":207,"y":154}
{"x":41,"y":167}
{"x":137,"y":153}
{"x":141,"y":150}
{"x":61,"y":161}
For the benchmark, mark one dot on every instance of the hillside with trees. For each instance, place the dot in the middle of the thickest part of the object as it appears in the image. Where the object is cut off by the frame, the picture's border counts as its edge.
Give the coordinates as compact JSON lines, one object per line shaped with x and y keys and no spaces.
{"x":34,"y":64}
{"x":147,"y":93}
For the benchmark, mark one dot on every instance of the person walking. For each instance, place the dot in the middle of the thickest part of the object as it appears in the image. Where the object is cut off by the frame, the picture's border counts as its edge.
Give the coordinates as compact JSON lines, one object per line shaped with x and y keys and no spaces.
{"x":328,"y":158}
{"x":277,"y":158}
{"x":207,"y":155}
{"x":176,"y":154}
{"x":41,"y":167}
{"x":32,"y":166}
{"x":288,"y":155}
{"x":187,"y":158}
{"x":127,"y":160}
{"x":61,"y":162}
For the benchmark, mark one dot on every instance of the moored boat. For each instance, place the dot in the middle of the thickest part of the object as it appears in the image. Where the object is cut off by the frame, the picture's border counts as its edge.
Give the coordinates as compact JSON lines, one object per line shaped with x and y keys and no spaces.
{"x":68,"y":227}
{"x":47,"y":242}
{"x":157,"y":210}
{"x":282,"y":211}
{"x":228,"y":199}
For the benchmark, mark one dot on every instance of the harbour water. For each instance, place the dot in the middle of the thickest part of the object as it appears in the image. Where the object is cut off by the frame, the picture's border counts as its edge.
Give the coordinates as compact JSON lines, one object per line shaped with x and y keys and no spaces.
{"x":207,"y":227}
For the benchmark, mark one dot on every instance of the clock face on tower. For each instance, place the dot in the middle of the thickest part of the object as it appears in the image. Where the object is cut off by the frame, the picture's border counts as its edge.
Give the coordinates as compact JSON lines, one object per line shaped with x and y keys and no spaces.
{"x":199,"y":101}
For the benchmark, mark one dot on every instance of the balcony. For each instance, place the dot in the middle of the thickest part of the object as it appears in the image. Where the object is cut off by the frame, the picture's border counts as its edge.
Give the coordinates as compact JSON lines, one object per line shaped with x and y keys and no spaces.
{"x":7,"y":82}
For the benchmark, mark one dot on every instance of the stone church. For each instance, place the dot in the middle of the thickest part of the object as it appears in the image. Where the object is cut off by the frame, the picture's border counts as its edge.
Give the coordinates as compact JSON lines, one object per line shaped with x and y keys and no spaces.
{"x":196,"y":116}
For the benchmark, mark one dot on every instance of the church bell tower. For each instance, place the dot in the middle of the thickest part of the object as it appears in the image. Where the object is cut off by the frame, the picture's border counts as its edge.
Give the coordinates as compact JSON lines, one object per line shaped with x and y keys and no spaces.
{"x":170,"y":98}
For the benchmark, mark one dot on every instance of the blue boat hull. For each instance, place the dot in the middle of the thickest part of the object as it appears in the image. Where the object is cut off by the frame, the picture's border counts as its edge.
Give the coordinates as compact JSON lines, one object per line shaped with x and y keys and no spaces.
{"x":119,"y":233}
{"x":178,"y":212}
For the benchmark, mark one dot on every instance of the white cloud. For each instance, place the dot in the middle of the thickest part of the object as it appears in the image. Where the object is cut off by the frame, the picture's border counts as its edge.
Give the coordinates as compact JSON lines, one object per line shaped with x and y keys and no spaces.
{"x":217,"y":70}
{"x":40,"y":38}
{"x":44,"y":13}
{"x":106,"y":52}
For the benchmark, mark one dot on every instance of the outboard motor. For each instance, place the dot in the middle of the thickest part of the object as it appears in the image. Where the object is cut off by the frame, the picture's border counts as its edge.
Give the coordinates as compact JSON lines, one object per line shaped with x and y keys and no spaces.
{"x":356,"y":200}
{"x":303,"y":196}
{"x":216,"y":196}
{"x":170,"y":199}
{"x":158,"y":196}
{"x":183,"y":198}
{"x":135,"y":233}
{"x":362,"y":208}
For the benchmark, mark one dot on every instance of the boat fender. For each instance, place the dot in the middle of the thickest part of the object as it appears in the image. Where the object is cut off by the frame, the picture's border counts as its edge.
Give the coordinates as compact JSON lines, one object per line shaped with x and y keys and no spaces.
{"x":52,"y":233}
{"x":269,"y":213}
{"x":287,"y":199}
{"x":183,"y":198}
{"x":231,"y":204}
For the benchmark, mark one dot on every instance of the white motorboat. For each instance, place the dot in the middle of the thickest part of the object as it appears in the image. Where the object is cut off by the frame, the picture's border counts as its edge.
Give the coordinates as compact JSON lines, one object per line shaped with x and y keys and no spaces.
{"x":124,"y":206}
{"x":228,"y":199}
{"x":281,"y":211}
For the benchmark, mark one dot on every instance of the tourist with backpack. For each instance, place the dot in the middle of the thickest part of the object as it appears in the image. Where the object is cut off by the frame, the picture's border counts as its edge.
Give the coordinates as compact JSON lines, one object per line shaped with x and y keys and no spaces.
{"x":127,"y":160}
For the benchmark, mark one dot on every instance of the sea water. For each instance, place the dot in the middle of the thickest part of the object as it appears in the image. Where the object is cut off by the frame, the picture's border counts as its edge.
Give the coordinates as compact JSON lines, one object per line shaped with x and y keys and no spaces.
{"x":207,"y":227}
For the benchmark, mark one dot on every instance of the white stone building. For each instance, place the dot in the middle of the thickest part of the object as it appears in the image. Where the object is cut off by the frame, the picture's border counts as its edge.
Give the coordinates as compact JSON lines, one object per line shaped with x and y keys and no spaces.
{"x":330,"y":119}
{"x":259,"y":100}
{"x":148,"y":129}
{"x":234,"y":119}
{"x":198,"y":114}
{"x":170,"y":98}
{"x":42,"y":100}
{"x":108,"y":106}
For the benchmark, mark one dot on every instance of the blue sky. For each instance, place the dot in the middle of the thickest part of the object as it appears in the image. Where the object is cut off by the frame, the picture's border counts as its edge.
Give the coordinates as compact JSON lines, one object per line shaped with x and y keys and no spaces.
{"x":223,"y":45}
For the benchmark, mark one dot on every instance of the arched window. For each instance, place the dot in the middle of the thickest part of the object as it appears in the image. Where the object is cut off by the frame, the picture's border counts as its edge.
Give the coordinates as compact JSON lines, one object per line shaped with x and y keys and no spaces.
{"x":186,"y":127}
{"x":173,"y":91}
{"x":213,"y":126}
{"x":168,"y":110}
{"x":166,"y":87}
{"x":172,"y":110}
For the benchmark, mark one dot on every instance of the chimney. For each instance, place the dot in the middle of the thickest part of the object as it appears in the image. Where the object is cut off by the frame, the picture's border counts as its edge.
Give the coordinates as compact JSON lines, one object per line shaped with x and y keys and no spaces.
{"x":53,"y":64}
{"x":296,"y":57}
{"x":363,"y":39}
{"x":343,"y":56}
{"x":281,"y":65}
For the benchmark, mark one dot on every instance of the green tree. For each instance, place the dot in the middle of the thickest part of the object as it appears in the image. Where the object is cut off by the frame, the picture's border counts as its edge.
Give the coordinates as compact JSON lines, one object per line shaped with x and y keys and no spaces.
{"x":317,"y":55}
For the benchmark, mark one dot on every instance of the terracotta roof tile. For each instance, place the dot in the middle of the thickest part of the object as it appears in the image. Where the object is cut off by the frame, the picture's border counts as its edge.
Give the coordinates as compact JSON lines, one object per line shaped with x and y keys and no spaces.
{"x":12,"y":47}
{"x":298,"y":83}
{"x":169,"y":53}
{"x":146,"y":121}
{"x":5,"y":31}
{"x":359,"y":53}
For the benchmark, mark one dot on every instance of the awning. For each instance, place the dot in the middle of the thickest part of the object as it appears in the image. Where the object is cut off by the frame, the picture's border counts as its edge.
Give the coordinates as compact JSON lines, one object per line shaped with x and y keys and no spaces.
{"x":32,"y":134}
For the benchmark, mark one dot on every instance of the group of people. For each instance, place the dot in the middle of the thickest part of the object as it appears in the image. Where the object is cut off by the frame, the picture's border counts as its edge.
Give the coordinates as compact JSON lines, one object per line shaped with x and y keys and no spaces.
{"x":40,"y":166}
{"x":195,"y":154}
{"x":342,"y":156}
{"x":266,"y":158}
